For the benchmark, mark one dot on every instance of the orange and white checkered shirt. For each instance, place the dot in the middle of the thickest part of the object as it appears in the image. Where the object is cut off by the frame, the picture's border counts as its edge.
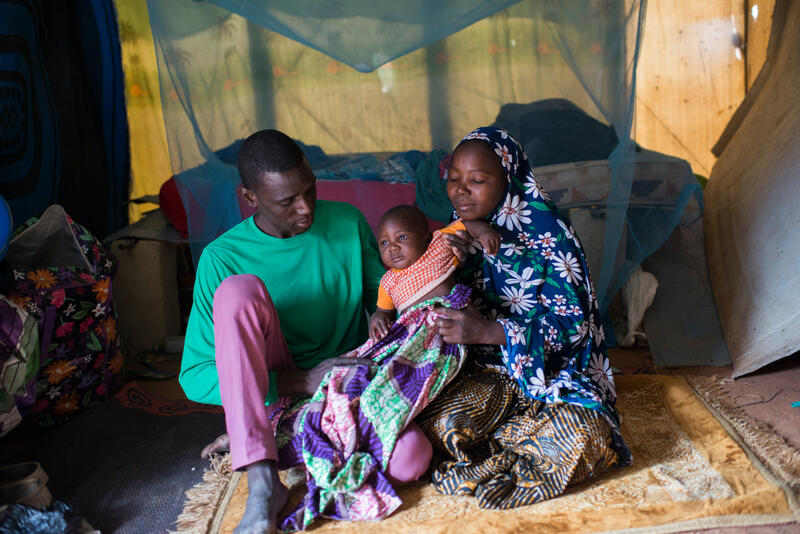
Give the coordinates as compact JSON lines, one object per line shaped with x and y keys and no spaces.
{"x":401,"y":287}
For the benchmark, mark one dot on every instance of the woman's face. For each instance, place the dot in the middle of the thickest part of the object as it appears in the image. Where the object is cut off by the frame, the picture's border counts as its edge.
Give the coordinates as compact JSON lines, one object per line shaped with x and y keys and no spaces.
{"x":476,"y":180}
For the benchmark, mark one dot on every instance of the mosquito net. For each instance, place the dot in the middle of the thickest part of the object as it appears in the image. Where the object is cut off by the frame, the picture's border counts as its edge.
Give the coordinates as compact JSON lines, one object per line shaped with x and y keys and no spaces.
{"x":378,"y":90}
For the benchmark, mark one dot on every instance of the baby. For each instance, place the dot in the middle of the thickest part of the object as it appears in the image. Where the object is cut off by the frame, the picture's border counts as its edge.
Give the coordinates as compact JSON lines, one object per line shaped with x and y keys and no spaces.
{"x":420,"y":265}
{"x":351,"y":424}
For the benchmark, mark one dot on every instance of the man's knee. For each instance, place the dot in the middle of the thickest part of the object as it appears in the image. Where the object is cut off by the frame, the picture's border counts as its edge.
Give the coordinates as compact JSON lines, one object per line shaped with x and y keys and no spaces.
{"x":238,"y":292}
{"x":411,"y":456}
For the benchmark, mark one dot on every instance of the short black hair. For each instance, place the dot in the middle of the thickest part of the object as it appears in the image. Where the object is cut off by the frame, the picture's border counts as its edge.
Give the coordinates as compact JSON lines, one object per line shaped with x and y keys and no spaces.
{"x":408,"y":214}
{"x":266,"y":151}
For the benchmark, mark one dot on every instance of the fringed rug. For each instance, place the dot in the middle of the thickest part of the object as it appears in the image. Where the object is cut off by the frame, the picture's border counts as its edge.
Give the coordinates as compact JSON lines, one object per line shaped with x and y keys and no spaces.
{"x":699,"y":462}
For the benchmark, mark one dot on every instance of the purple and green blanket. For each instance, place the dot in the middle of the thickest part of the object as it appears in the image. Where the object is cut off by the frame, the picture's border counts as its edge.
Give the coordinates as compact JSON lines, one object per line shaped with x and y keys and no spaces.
{"x":345,"y":433}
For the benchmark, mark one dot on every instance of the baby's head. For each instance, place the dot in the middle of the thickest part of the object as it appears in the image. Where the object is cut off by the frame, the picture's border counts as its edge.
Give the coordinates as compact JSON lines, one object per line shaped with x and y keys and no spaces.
{"x":402,"y":236}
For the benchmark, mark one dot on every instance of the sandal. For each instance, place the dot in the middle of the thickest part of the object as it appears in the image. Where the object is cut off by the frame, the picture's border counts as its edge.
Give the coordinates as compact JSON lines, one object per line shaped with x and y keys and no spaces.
{"x":28,"y":491}
{"x":20,"y":471}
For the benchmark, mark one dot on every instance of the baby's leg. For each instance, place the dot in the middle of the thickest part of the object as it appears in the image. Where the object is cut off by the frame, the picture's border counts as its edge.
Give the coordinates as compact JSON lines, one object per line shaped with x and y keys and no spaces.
{"x":411,"y":456}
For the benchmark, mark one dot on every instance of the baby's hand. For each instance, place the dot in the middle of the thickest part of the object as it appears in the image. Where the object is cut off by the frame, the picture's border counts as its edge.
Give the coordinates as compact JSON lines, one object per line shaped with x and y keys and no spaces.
{"x":490,"y":241}
{"x":379,"y":325}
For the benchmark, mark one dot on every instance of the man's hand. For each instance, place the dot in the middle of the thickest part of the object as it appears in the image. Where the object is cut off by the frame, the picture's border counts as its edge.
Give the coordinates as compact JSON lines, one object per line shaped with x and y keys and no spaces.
{"x":484,"y":234}
{"x":379,"y":323}
{"x":468,"y":327}
{"x":299,"y":382}
{"x":459,"y":243}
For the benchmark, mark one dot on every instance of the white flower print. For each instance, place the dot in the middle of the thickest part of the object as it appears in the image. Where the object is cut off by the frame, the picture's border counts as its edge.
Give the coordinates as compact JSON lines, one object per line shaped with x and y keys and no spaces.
{"x":527,"y":240}
{"x":547,"y":253}
{"x":514,"y":331}
{"x":537,"y":384}
{"x":503,"y":134}
{"x":600,"y":372}
{"x":533,"y":188}
{"x":517,"y":370}
{"x":505,"y":156}
{"x":524,"y":279}
{"x":546,"y":240}
{"x":575,"y":310}
{"x":504,"y":354}
{"x":512,"y":249}
{"x":551,"y":333}
{"x":18,"y":275}
{"x":568,"y":266}
{"x":69,"y":310}
{"x":544,"y":300}
{"x":513,"y":213}
{"x":54,"y":392}
{"x":480,"y":280}
{"x":569,"y":232}
{"x":578,"y":337}
{"x":563,"y":381}
{"x":596,"y":330}
{"x":477,"y":135}
{"x":517,"y":300}
{"x":98,"y":310}
{"x":559,"y":299}
{"x":560,"y":310}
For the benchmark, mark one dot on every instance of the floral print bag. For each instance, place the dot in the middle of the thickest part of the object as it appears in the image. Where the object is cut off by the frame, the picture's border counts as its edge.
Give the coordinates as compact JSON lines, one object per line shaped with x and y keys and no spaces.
{"x":62,"y":276}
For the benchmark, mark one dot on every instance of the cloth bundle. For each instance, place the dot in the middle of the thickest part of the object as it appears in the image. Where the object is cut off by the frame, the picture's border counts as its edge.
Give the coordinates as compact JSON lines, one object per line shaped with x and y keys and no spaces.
{"x":346,"y":432}
{"x":62,"y":277}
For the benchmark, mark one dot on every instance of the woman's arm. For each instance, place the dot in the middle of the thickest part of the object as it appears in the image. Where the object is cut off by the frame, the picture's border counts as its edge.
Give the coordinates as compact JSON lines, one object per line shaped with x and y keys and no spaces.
{"x":469,"y":327}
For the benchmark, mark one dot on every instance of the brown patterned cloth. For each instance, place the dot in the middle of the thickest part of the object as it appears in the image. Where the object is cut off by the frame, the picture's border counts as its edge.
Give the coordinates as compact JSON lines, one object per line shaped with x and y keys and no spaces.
{"x":509,"y":450}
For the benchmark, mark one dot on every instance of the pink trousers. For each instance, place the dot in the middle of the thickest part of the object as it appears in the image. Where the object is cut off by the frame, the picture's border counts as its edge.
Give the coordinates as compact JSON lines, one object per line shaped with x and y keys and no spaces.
{"x":249,"y":343}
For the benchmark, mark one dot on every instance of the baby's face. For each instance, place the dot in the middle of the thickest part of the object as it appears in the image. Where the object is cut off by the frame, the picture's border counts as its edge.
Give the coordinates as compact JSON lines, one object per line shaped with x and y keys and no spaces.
{"x":400,"y":244}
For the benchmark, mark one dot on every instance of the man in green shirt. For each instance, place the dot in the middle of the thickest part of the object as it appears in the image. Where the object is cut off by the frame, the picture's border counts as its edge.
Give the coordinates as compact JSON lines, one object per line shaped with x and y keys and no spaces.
{"x":277,"y":299}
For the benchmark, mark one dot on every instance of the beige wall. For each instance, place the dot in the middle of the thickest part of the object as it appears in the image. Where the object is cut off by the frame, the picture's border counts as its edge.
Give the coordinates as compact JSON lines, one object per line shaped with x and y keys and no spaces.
{"x":758,"y":25}
{"x":690,"y":78}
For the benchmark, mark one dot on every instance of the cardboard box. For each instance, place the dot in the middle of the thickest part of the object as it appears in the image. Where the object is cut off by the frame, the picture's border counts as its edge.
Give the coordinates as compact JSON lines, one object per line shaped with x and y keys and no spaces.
{"x":145,"y":292}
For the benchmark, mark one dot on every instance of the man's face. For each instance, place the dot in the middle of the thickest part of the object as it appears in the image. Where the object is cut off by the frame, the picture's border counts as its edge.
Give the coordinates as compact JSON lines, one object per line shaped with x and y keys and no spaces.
{"x":285,"y":201}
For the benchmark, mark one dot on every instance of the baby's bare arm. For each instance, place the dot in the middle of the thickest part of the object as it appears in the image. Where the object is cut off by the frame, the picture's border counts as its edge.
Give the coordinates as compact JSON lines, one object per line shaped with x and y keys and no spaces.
{"x":380,"y":322}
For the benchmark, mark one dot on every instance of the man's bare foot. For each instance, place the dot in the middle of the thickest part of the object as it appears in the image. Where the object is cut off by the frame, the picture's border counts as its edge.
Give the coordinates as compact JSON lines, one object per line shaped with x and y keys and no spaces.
{"x":219,"y":445}
{"x":267,"y":496}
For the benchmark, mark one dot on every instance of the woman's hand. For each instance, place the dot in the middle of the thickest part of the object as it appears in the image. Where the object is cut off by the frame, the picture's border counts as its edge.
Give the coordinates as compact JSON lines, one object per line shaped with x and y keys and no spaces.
{"x":468,"y":327}
{"x":459,"y":242}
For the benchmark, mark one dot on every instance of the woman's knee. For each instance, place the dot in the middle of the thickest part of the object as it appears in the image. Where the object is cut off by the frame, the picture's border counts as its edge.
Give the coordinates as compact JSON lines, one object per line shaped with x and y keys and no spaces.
{"x":411,"y":456}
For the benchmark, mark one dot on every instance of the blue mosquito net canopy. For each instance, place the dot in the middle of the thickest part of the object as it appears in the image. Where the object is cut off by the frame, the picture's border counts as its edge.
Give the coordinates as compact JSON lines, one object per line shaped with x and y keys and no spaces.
{"x":353,"y":80}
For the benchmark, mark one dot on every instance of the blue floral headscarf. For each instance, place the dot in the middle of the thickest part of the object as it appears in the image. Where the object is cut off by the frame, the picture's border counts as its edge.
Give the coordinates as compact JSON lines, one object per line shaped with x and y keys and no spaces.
{"x":538,"y":288}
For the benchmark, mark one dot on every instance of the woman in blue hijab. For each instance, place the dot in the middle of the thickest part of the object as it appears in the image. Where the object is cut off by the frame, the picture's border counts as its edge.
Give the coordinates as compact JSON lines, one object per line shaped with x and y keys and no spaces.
{"x":534,"y":411}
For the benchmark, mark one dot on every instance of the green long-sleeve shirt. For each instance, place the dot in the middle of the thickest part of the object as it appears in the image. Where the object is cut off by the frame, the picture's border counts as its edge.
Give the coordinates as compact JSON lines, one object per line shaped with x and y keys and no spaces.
{"x":321,"y":282}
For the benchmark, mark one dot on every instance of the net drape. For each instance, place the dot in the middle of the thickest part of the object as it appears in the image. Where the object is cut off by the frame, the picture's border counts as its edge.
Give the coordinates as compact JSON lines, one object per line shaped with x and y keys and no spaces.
{"x":374,"y":76}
